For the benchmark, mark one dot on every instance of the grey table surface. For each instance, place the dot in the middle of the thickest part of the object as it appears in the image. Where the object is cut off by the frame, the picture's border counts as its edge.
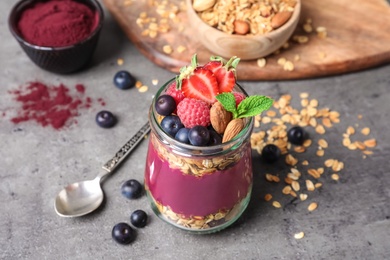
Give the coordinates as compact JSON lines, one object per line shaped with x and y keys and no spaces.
{"x":352,"y":220}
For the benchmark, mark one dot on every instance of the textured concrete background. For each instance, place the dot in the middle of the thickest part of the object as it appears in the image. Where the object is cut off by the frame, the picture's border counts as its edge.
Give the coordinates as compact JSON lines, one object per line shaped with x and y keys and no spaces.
{"x":352,"y":220}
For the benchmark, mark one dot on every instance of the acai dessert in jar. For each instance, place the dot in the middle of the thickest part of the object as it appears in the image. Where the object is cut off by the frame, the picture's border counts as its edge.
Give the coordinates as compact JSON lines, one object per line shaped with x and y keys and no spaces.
{"x":198,"y":173}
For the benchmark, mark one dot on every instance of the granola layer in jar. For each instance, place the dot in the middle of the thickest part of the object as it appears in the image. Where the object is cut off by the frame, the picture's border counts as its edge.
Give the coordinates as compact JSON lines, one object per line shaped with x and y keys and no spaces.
{"x":200,"y":189}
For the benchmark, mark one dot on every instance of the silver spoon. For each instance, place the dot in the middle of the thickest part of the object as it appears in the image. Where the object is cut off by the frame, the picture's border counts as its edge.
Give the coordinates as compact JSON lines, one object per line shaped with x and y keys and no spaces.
{"x":81,"y":198}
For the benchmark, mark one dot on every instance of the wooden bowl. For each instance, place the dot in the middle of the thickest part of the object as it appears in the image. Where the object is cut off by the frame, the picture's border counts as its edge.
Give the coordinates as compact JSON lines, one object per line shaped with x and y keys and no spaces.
{"x":246,"y":47}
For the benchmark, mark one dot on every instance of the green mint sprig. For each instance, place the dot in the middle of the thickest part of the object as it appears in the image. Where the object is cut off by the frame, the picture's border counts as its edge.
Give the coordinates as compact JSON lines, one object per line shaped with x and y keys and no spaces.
{"x":250,"y":106}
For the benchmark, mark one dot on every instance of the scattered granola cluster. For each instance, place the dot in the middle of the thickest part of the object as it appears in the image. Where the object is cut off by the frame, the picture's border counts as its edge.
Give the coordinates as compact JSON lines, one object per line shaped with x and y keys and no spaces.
{"x":309,"y":31}
{"x":161,"y":17}
{"x":166,"y":11}
{"x":302,"y":178}
{"x":360,"y":145}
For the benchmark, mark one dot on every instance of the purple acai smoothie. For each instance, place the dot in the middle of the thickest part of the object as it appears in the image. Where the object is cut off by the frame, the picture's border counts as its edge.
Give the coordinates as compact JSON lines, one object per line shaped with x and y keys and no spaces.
{"x":193,"y":195}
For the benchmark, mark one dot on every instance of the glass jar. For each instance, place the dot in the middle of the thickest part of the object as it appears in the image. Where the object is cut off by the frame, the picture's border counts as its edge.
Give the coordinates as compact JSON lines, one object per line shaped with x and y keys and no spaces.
{"x":199,"y":189}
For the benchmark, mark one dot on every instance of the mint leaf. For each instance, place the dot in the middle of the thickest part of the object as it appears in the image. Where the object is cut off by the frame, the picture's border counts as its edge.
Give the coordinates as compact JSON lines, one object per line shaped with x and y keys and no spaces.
{"x":253,"y":105}
{"x":250,"y":106}
{"x":228,"y":101}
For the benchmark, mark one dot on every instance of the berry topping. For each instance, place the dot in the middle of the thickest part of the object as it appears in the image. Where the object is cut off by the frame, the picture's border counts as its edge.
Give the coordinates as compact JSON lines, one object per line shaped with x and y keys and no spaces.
{"x":171,"y":125}
{"x":208,"y":110}
{"x":124,"y":80}
{"x":296,"y":135}
{"x":193,"y":112}
{"x":123,"y":233}
{"x":215,"y":138}
{"x":197,"y":82}
{"x":132,"y":189}
{"x":199,"y":135}
{"x":225,"y":72}
{"x":139,"y":218}
{"x":165,"y":105}
{"x":182,"y":135}
{"x":105,"y":119}
{"x":270,"y":153}
{"x":177,"y":94}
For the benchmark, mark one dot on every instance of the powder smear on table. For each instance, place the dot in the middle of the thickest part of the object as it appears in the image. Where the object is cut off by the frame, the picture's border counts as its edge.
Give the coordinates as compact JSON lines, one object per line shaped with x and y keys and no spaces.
{"x":51,"y":106}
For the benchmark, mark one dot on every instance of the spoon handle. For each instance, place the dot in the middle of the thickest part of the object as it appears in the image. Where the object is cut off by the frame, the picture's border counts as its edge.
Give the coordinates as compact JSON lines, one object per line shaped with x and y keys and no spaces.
{"x":126,"y":149}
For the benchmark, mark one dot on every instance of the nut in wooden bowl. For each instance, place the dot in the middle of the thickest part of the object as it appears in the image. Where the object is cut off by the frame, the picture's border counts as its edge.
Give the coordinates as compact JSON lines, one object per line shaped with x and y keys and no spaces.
{"x":247,"y":29}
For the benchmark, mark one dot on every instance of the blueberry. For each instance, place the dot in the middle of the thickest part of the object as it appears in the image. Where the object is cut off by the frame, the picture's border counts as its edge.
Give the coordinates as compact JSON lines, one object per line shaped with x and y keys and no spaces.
{"x":139,"y":218}
{"x":124,"y":80}
{"x":171,"y":125}
{"x":105,"y":119}
{"x":132,"y":189}
{"x":270,"y":153}
{"x":123,"y":233}
{"x":165,"y":105}
{"x":199,"y":135}
{"x":182,"y":135}
{"x":215,"y":138}
{"x":296,"y":135}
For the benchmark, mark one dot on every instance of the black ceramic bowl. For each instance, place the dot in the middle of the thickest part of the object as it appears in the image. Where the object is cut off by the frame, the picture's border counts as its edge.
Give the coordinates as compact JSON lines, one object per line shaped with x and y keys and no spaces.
{"x":60,"y":60}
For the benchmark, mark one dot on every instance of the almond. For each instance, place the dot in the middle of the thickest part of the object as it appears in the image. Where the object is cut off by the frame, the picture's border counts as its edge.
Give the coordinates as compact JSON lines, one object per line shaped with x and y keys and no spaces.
{"x":233,"y":128}
{"x":219,"y":117}
{"x":202,"y":5}
{"x":280,"y":18}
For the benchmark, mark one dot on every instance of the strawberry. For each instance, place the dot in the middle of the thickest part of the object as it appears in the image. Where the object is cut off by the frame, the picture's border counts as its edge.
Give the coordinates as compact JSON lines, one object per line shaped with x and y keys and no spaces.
{"x":197,"y":82}
{"x":225,"y":72}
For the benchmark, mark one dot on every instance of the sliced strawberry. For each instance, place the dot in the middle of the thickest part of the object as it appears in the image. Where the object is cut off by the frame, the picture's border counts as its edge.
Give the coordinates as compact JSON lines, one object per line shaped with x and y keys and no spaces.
{"x":197,"y":82}
{"x":225,"y":72}
{"x":202,"y":85}
{"x":214,"y":65}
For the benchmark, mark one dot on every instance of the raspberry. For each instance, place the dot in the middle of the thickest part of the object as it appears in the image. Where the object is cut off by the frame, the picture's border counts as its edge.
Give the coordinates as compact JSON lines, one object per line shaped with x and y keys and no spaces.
{"x":177,"y":94}
{"x":239,"y":97}
{"x":193,"y":112}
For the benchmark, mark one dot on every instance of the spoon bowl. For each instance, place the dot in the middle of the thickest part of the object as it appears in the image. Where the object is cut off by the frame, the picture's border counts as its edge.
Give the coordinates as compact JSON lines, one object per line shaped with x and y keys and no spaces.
{"x":79,"y":198}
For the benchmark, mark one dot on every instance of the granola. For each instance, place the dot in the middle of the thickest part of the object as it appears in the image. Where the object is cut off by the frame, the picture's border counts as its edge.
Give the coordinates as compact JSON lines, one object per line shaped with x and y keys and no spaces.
{"x":258,"y":14}
{"x":197,"y":166}
{"x":198,"y":222}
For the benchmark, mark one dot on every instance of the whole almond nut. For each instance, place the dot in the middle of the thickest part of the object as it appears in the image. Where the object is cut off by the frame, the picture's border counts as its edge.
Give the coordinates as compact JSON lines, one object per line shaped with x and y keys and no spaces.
{"x":219,"y":117}
{"x":280,"y":18}
{"x":241,"y":27}
{"x":202,"y":5}
{"x":233,"y":128}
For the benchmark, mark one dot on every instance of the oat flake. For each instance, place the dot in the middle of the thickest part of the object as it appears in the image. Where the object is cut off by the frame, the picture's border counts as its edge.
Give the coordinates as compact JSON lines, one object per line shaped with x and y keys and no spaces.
{"x":313,"y":206}
{"x":276,"y":204}
{"x":299,"y":235}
